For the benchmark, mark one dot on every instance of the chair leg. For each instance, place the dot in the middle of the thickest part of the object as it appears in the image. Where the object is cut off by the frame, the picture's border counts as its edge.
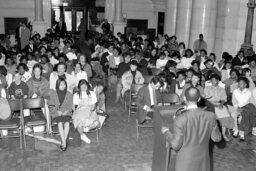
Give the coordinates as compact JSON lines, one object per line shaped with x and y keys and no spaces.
{"x":97,"y":132}
{"x":137,"y":129}
{"x":21,"y":140}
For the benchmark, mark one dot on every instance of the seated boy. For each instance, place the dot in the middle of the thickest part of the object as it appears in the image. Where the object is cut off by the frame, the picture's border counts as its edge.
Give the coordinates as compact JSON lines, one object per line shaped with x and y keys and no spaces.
{"x":18,"y":89}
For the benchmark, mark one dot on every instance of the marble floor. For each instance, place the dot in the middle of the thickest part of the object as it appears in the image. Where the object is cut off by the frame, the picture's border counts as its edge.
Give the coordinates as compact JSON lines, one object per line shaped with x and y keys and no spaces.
{"x":117,"y":150}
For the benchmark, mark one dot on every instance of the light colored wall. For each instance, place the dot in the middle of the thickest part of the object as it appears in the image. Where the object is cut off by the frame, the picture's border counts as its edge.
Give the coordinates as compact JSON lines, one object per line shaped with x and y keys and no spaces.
{"x":144,"y":9}
{"x":22,"y":8}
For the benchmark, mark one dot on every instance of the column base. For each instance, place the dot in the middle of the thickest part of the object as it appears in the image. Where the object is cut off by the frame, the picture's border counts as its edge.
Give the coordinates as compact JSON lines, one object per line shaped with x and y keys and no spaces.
{"x":119,"y":27}
{"x":39,"y":27}
{"x":247,"y":48}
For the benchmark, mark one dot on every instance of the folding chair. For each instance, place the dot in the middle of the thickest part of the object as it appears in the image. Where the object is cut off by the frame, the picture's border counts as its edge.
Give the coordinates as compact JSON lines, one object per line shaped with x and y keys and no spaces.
{"x":156,"y":71}
{"x":14,"y":123}
{"x":133,"y":94}
{"x":147,"y":78}
{"x":170,"y":98}
{"x":145,"y":125}
{"x":36,"y":117}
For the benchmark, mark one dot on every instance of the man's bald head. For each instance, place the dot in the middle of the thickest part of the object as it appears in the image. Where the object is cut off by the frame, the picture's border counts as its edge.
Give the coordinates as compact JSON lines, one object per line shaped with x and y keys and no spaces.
{"x":192,"y":94}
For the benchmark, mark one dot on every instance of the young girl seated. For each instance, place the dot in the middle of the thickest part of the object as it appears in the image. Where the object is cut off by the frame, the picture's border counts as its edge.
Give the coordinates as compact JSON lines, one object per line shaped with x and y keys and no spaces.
{"x":85,"y":116}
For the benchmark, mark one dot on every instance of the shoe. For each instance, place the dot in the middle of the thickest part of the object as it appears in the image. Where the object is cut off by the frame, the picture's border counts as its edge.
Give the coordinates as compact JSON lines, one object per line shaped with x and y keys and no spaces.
{"x":85,"y":139}
{"x":235,"y":133}
{"x":242,"y":138}
{"x":63,"y":148}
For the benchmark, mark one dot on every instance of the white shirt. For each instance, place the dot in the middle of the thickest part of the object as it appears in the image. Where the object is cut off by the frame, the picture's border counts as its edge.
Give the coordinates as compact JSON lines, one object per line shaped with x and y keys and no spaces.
{"x":53,"y":61}
{"x":191,"y":107}
{"x":151,"y":93}
{"x":186,"y":62}
{"x":25,"y":77}
{"x":117,"y":60}
{"x":30,"y":65}
{"x":79,"y":76}
{"x":71,"y":56}
{"x":93,"y":97}
{"x":242,"y":97}
{"x":161,"y":63}
{"x":202,"y":66}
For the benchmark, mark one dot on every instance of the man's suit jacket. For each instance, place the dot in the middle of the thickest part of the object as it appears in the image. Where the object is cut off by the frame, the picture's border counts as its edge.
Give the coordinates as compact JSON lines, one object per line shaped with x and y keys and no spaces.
{"x":143,"y":98}
{"x":192,"y":131}
{"x":61,"y":30}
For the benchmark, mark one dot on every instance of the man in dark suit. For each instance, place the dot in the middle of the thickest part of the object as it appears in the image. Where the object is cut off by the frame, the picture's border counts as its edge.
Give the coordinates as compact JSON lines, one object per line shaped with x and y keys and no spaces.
{"x":148,"y":97}
{"x":192,"y":131}
{"x":61,"y":28}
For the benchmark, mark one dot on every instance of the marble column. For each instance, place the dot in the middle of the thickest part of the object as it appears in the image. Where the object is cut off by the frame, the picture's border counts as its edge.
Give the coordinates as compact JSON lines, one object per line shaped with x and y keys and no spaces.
{"x":203,"y":20}
{"x":247,"y":45}
{"x":39,"y":25}
{"x":119,"y":24}
{"x":39,"y":10}
{"x":110,"y":10}
{"x":170,"y":17}
{"x":184,"y":9}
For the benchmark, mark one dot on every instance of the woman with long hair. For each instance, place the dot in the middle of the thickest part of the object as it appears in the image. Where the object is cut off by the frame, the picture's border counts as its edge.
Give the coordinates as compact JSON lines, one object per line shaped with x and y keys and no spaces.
{"x":85,"y":116}
{"x":60,"y":105}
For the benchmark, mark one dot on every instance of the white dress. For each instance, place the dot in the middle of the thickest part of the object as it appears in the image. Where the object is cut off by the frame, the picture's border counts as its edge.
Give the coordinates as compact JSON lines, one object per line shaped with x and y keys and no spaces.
{"x":83,"y":116}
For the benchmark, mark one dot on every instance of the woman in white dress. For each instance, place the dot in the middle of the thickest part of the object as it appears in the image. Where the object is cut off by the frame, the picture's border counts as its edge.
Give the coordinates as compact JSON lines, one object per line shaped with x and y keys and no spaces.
{"x":85,"y":116}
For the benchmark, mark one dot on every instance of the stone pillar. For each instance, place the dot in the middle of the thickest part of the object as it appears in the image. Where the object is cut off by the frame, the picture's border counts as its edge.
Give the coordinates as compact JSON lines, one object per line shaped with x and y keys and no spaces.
{"x":170,"y":17}
{"x":119,"y":24}
{"x":39,"y":25}
{"x":247,"y":45}
{"x":203,"y":20}
{"x":39,"y":10}
{"x":110,"y":10}
{"x":184,"y":9}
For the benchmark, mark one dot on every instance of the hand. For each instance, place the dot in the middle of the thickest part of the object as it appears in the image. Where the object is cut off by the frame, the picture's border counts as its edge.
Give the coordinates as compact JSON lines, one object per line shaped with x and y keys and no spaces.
{"x":147,"y":108}
{"x":164,"y":129}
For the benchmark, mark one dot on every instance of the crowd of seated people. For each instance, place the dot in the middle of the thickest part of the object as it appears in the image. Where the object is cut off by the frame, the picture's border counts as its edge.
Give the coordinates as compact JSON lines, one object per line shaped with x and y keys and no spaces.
{"x":53,"y":67}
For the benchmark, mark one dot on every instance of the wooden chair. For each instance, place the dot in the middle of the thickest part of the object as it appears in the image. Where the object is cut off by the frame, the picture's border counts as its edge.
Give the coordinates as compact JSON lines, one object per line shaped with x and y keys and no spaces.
{"x":147,"y":125}
{"x":147,"y":78}
{"x":156,"y":71}
{"x":133,"y":94}
{"x":170,"y":98}
{"x":14,"y":123}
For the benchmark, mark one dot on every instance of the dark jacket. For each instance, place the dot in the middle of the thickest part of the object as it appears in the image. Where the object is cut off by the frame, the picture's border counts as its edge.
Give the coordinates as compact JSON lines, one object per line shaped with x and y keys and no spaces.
{"x":143,"y":98}
{"x":192,"y":131}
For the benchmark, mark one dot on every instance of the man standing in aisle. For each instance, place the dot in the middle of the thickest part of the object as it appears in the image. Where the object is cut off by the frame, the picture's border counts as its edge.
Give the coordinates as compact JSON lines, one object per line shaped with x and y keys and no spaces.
{"x":191,"y":134}
{"x":200,"y":44}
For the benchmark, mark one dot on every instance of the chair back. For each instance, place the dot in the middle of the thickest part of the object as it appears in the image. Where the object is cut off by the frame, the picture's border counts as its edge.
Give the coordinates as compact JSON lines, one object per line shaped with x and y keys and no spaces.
{"x":33,"y":103}
{"x":15,"y":105}
{"x":136,"y":87}
{"x":156,"y":71}
{"x":147,"y":78}
{"x":170,"y":98}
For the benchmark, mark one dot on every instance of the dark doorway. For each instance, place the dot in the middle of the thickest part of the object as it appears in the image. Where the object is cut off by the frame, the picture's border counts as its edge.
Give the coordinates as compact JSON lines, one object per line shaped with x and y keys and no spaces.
{"x":11,"y":24}
{"x":160,"y":25}
{"x":138,"y":27}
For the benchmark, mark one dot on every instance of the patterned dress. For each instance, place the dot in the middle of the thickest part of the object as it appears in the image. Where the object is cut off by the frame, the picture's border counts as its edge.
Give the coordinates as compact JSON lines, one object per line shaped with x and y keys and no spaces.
{"x":83,"y":116}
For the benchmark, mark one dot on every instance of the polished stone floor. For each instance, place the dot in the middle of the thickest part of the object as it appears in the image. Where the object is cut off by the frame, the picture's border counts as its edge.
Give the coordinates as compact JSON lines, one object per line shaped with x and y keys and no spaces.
{"x":117,"y":150}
